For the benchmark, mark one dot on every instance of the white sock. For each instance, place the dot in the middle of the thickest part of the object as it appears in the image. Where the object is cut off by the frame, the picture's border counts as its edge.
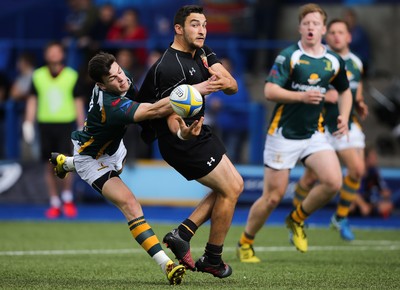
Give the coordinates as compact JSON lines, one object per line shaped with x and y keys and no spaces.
{"x":161,"y":259}
{"x":69,"y":164}
{"x":55,"y":201}
{"x":67,"y":196}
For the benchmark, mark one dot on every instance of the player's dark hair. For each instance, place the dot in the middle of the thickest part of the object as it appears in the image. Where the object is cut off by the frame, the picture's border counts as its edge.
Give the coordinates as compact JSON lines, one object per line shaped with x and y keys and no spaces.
{"x":184,"y":12}
{"x":338,"y":20}
{"x":100,"y":65}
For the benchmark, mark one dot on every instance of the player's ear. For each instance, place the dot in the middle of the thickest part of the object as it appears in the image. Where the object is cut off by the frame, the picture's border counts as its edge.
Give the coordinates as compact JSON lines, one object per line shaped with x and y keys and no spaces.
{"x":324,"y":30}
{"x":178,"y":29}
{"x":101,"y":86}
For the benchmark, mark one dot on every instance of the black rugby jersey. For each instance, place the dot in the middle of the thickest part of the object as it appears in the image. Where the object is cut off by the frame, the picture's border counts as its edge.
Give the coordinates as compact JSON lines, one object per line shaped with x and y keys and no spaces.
{"x":173,"y":69}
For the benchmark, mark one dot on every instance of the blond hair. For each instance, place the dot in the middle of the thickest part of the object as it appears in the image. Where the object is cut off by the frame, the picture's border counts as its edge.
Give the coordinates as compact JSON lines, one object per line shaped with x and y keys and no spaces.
{"x":311,"y":8}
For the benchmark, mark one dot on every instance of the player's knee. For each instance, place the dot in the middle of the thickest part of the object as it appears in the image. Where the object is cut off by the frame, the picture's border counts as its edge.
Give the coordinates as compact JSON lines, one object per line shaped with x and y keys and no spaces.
{"x":235,"y":189}
{"x":130,"y":207}
{"x":333,"y":184}
{"x":357,"y":172}
{"x":239,"y":186}
{"x":273,"y":201}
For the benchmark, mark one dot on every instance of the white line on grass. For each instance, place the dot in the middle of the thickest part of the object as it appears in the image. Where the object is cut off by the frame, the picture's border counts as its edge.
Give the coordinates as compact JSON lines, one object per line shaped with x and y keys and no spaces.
{"x":354,"y":246}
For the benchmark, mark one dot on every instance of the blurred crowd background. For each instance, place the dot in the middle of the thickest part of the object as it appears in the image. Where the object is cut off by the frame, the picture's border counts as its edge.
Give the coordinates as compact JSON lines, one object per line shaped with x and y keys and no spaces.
{"x":245,"y":34}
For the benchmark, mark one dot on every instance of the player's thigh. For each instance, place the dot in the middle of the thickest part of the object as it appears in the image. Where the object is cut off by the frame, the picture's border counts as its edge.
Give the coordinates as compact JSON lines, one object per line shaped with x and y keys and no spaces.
{"x":353,"y":159}
{"x":224,"y":178}
{"x":326,"y":166}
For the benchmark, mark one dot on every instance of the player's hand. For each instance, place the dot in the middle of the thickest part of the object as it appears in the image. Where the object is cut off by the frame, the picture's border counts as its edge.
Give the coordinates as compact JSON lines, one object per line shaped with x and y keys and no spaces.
{"x":28,"y":132}
{"x":217,"y":81}
{"x":313,"y":97}
{"x":204,"y":88}
{"x":362,"y":110}
{"x":192,"y":131}
{"x":343,"y":128}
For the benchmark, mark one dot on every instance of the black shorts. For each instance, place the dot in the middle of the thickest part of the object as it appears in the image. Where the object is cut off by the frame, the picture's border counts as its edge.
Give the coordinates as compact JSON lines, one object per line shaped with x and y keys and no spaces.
{"x":55,"y":138}
{"x":192,"y":158}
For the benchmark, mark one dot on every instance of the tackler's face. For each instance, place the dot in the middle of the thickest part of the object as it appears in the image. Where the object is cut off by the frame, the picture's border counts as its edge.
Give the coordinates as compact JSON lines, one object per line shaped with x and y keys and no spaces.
{"x":312,"y":28}
{"x":116,"y":82}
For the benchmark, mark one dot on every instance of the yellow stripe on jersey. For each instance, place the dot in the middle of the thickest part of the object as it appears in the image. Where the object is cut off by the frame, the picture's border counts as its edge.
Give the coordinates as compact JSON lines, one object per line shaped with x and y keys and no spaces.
{"x":321,"y":127}
{"x":86,"y":144}
{"x":275,"y":121}
{"x":103,"y":115}
{"x":102,"y":149}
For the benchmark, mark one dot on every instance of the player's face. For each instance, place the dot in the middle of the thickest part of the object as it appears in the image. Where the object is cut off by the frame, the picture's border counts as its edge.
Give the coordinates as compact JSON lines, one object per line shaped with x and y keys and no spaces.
{"x":338,"y":37}
{"x":116,"y":82}
{"x":312,"y":28}
{"x":195,"y":31}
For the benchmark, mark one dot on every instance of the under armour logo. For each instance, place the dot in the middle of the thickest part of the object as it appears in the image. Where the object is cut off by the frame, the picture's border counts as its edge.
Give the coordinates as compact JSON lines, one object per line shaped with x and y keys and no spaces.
{"x":212,"y":160}
{"x":192,"y":71}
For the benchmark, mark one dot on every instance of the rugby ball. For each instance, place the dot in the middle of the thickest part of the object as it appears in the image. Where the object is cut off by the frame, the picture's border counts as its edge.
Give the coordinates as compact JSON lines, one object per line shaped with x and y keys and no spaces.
{"x":186,"y":101}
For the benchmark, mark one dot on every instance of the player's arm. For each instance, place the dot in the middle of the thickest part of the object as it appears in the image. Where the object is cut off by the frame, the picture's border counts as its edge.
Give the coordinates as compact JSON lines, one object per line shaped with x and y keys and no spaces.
{"x":345,"y":104}
{"x":332,"y":96}
{"x":28,"y":128}
{"x":361,"y":106}
{"x":222,"y":80}
{"x":146,"y":111}
{"x":275,"y":93}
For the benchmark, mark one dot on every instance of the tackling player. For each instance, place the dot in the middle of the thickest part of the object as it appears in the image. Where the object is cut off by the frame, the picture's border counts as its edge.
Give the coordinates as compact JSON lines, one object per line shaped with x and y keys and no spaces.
{"x":99,"y":152}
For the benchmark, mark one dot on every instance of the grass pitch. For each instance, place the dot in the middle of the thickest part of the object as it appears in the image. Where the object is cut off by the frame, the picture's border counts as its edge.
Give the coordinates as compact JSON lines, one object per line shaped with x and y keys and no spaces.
{"x":80,"y":255}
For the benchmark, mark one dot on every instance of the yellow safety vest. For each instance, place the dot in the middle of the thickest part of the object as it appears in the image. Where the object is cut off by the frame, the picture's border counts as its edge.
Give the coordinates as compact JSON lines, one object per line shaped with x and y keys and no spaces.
{"x":55,"y":95}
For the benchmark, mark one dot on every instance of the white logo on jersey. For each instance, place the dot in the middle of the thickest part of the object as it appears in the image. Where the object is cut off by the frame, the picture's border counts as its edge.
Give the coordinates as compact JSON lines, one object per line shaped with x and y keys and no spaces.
{"x":212,"y":160}
{"x":306,"y":88}
{"x":280,"y":59}
{"x":192,"y":71}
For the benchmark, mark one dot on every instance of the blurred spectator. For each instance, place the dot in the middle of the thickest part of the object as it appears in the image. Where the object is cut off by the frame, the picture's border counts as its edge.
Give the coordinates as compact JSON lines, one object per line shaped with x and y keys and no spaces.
{"x":20,"y":90}
{"x":360,"y":44}
{"x":57,"y":112}
{"x":79,"y":24}
{"x":374,"y":197}
{"x":84,"y":87}
{"x":152,"y":57}
{"x":229,"y":116}
{"x":80,"y":20}
{"x":126,"y":60}
{"x":266,"y":16}
{"x":105,"y":20}
{"x":129,"y":28}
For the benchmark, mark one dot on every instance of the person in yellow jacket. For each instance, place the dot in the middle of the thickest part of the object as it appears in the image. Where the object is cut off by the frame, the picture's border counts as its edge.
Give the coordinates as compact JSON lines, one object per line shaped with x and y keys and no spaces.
{"x":58,"y":111}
